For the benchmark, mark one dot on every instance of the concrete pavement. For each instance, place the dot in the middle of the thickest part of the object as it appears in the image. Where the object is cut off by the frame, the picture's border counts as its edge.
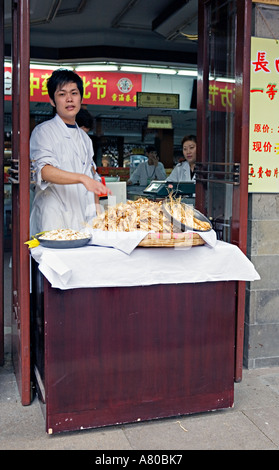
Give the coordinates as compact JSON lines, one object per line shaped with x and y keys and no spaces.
{"x":253,"y":423}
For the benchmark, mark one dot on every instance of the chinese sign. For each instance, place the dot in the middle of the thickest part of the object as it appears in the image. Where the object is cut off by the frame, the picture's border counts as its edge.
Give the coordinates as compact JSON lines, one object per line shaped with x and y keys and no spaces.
{"x":264,"y":122}
{"x":100,"y":88}
{"x":158,"y":100}
{"x":267,"y":2}
{"x":221,"y":96}
{"x":159,"y":122}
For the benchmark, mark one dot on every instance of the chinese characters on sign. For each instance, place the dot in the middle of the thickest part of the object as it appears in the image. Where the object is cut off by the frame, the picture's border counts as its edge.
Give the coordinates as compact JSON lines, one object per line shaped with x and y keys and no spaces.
{"x":159,"y":122}
{"x":103,"y":88}
{"x":264,"y":127}
{"x":221,"y":96}
{"x":268,"y":2}
{"x":158,"y":100}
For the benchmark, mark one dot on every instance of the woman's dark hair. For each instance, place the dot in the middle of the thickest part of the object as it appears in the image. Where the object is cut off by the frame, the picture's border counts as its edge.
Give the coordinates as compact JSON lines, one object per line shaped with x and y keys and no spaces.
{"x":60,"y":77}
{"x":189,"y":137}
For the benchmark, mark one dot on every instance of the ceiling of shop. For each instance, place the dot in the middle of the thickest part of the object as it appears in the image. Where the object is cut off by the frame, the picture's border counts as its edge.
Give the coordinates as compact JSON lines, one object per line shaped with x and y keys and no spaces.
{"x":157,"y":30}
{"x":131,"y":31}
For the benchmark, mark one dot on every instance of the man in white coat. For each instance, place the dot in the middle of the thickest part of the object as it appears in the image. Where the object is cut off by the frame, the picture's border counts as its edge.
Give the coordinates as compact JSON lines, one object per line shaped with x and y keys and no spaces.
{"x":62,"y":159}
{"x":150,"y":170}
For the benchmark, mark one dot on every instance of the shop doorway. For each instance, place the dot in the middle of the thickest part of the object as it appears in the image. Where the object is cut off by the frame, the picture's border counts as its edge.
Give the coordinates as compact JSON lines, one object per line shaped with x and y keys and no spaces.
{"x":20,"y":184}
{"x":222,"y":140}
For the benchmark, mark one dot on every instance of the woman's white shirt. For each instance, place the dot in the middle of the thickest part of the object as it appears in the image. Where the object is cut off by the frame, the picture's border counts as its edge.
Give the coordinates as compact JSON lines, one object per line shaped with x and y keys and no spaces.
{"x":181,"y":172}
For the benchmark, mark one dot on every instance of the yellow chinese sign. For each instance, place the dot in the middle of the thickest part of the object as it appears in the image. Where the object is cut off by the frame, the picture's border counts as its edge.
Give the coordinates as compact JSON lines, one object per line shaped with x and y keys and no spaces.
{"x":158,"y":100}
{"x":267,"y":2}
{"x":264,"y":122}
{"x":159,"y":122}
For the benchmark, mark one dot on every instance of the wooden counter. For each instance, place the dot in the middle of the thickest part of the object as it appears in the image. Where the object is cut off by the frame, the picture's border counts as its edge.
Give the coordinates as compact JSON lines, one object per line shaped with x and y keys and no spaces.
{"x":107,"y":356}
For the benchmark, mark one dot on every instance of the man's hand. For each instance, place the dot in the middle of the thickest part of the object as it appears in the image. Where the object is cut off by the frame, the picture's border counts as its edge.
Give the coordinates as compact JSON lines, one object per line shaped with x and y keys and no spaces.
{"x":94,"y":186}
{"x":152,"y":159}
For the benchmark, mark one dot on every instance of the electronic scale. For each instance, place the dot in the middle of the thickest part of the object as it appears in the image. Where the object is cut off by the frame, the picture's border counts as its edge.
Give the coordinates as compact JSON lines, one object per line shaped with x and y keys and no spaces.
{"x":160,"y":189}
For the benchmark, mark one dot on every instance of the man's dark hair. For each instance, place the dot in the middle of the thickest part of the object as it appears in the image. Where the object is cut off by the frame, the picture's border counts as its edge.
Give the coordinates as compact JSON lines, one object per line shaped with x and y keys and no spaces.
{"x":60,"y":77}
{"x":150,"y":148}
{"x":84,"y":119}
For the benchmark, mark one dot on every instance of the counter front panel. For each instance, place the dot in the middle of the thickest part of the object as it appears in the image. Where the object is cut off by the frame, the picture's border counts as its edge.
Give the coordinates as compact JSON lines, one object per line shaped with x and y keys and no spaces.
{"x":126,"y":354}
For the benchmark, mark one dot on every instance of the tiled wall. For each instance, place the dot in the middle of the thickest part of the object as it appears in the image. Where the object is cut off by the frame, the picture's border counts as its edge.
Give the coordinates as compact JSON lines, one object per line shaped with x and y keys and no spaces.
{"x":261,"y":341}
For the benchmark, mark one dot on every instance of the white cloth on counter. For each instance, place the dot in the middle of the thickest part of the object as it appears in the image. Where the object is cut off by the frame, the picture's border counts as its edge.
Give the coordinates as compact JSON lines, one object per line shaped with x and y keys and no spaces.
{"x":123,"y":241}
{"x":128,"y":241}
{"x":95,"y":266}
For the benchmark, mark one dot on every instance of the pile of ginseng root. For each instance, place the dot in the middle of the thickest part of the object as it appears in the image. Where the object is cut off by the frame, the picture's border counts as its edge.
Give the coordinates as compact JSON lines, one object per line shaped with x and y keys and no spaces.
{"x":144,"y":214}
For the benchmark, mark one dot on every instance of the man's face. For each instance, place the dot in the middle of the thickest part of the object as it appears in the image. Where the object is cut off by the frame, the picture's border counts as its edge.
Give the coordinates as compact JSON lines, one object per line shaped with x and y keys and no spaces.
{"x":67,"y":101}
{"x":152,"y":157}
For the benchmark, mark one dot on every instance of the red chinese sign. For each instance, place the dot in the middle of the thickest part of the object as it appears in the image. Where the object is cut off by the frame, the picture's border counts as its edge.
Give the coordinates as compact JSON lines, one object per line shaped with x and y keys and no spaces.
{"x":221,"y":96}
{"x":100,"y":88}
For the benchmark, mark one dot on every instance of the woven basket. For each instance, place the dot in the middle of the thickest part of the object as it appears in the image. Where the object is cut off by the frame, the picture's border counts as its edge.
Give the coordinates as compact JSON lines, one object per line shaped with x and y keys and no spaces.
{"x":171,"y":239}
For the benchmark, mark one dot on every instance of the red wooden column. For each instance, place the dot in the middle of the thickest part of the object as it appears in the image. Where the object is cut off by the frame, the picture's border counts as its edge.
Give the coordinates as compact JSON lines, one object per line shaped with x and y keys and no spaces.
{"x":2,"y":183}
{"x":20,"y":198}
{"x":241,"y":152}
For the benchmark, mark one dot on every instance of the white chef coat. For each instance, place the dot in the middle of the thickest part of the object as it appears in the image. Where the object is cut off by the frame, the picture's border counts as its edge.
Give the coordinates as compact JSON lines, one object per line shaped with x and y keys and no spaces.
{"x":145,"y":173}
{"x":181,"y":172}
{"x":61,"y":206}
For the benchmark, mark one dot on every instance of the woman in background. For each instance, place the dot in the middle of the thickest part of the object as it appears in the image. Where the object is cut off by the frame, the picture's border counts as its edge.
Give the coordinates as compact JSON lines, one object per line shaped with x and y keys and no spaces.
{"x":185,"y":171}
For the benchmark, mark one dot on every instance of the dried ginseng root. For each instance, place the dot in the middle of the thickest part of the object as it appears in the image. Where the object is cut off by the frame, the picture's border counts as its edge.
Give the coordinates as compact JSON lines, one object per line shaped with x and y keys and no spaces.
{"x":141,"y":214}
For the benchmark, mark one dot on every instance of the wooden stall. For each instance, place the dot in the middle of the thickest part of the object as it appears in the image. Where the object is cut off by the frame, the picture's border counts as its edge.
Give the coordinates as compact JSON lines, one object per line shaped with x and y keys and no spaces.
{"x":122,"y":354}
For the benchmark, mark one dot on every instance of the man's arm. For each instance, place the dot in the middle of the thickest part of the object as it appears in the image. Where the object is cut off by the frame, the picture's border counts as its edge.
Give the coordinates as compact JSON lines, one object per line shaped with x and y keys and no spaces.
{"x":161,"y":172}
{"x":135,"y":177}
{"x":57,"y":176}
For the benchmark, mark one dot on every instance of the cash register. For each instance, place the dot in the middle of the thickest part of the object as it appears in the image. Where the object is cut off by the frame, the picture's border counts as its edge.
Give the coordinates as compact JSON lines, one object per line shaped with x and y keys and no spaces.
{"x":161,"y":189}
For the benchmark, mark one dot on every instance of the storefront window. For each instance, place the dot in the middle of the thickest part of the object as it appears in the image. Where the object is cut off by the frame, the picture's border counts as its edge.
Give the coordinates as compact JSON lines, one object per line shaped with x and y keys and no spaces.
{"x":220,"y":113}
